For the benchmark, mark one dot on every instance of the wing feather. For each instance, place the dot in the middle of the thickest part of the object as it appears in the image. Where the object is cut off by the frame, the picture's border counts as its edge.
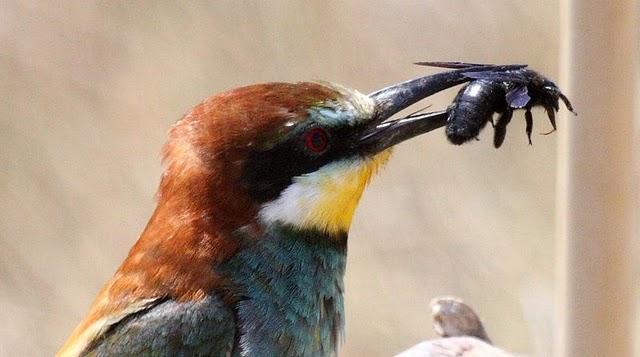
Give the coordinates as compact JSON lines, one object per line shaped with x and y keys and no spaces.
{"x":86,"y":333}
{"x":159,"y":327}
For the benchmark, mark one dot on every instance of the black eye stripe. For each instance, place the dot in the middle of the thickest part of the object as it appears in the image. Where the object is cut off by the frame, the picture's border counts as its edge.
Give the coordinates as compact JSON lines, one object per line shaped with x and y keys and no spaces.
{"x":268,"y":171}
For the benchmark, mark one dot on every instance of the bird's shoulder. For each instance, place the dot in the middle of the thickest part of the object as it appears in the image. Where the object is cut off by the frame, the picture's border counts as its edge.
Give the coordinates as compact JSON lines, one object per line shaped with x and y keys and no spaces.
{"x":159,"y":326}
{"x":163,"y":280}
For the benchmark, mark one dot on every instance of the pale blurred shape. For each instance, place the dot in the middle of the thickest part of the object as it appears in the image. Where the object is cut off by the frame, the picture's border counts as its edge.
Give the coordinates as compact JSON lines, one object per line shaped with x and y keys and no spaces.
{"x":596,"y":284}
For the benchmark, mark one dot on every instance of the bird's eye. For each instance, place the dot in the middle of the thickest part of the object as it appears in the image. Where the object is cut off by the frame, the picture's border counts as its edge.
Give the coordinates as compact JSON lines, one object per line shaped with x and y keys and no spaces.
{"x":316,"y":140}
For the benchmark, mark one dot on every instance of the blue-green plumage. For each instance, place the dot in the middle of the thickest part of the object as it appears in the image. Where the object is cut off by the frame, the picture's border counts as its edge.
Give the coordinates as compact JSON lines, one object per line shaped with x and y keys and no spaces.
{"x":291,"y":285}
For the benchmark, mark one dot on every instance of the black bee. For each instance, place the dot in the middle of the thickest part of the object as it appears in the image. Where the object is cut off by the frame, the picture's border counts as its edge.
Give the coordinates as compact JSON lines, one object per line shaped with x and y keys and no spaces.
{"x":502,"y":93}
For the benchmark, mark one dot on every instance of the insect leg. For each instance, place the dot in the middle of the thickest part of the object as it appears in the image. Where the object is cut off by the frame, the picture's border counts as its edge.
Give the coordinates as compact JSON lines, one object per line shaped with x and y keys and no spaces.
{"x":528,"y":117}
{"x":567,"y":103}
{"x":500,"y":129}
{"x":552,"y":119}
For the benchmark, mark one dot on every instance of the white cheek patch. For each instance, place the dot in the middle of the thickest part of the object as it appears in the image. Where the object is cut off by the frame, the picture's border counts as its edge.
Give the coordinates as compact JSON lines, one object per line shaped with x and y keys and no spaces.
{"x":325,"y":199}
{"x":296,"y":202}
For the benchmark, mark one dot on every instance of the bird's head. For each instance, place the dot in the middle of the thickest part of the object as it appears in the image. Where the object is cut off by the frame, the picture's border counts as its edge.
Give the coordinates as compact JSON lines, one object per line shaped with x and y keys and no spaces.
{"x":294,"y":154}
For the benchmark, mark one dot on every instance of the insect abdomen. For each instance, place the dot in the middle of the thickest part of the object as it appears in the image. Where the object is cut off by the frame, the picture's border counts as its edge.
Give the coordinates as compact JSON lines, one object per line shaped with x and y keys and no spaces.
{"x":472,"y":109}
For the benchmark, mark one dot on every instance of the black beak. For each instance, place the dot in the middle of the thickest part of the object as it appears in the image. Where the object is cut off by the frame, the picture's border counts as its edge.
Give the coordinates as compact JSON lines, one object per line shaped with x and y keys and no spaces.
{"x":383,"y":134}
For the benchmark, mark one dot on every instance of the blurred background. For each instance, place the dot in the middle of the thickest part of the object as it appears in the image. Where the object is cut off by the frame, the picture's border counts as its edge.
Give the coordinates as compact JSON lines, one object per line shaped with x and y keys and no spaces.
{"x":89,"y":90}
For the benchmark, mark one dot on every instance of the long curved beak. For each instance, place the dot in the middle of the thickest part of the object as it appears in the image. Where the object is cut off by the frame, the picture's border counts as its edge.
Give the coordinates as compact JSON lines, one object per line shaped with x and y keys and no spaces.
{"x":390,"y":100}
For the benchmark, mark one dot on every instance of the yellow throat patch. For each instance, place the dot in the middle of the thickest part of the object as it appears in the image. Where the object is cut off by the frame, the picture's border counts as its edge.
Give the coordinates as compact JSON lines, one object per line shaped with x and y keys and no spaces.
{"x":327,"y":198}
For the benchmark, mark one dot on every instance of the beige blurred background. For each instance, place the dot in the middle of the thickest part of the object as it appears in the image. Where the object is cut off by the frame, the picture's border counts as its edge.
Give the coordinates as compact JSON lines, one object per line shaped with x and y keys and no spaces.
{"x":88,"y":91}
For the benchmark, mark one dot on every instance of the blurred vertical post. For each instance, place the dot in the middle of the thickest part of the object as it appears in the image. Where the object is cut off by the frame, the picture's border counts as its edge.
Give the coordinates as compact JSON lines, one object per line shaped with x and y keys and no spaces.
{"x":594,"y":309}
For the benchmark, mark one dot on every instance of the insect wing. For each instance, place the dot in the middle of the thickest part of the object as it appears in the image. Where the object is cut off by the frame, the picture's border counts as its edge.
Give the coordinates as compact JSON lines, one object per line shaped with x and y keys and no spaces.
{"x":455,"y":65}
{"x":518,"y":97}
{"x":513,"y":77}
{"x":473,"y":67}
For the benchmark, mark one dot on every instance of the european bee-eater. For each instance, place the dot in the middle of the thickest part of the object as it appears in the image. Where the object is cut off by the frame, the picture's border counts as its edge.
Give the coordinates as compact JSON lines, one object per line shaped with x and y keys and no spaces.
{"x":245,"y":252}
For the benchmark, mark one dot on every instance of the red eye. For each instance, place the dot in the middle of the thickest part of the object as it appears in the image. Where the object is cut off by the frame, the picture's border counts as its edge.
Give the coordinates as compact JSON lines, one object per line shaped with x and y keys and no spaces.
{"x":316,"y":140}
